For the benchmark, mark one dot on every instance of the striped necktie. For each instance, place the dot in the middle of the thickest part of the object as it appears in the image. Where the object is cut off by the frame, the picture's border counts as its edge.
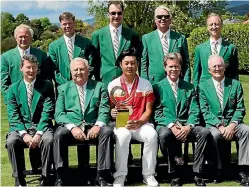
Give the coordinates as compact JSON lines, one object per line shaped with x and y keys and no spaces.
{"x":174,"y":88}
{"x":70,"y":49}
{"x":82,"y":99}
{"x":30,"y":95}
{"x":220,"y":94}
{"x":165,"y":44}
{"x":214,"y":48}
{"x":115,"y":42}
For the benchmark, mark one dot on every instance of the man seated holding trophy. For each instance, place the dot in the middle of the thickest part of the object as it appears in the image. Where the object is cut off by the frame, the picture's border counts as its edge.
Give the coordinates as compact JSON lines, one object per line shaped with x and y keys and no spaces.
{"x":132,"y":101}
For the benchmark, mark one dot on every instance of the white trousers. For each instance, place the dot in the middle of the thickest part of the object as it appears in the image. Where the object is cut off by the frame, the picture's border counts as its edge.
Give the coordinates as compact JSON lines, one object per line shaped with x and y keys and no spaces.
{"x":146,"y":134}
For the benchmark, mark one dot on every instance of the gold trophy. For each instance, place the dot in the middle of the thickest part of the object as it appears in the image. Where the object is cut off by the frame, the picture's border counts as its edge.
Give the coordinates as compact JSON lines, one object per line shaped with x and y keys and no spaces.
{"x":117,"y":96}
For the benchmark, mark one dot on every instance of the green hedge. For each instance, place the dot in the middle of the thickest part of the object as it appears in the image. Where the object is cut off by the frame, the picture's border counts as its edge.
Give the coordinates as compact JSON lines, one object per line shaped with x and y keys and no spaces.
{"x":237,"y":34}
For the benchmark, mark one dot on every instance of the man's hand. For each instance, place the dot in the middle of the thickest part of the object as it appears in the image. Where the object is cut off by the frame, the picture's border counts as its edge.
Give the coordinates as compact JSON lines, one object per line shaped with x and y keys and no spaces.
{"x":229,"y":131}
{"x":133,"y":125}
{"x":35,"y":141}
{"x":78,"y":134}
{"x":175,"y":130}
{"x":114,"y":113}
{"x":27,"y":139}
{"x":183,"y":133}
{"x":221,"y":129}
{"x":93,"y":132}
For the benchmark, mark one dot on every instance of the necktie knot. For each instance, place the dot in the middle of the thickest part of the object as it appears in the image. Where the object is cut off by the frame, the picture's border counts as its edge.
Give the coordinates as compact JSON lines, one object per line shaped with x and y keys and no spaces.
{"x":115,"y":31}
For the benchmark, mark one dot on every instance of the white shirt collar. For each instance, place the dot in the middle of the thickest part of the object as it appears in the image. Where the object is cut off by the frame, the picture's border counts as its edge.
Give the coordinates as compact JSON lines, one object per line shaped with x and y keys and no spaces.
{"x":171,"y":82}
{"x":21,"y":51}
{"x":67,"y":38}
{"x":161,"y":34}
{"x":27,"y":83}
{"x":216,"y":82}
{"x":119,"y":29}
{"x":212,"y":41}
{"x":84,"y":86}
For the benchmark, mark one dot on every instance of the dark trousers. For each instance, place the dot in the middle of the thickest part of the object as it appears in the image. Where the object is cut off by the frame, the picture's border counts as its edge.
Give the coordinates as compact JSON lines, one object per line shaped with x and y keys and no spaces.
{"x":63,"y":138}
{"x":15,"y":147}
{"x":168,"y":142}
{"x":219,"y":145}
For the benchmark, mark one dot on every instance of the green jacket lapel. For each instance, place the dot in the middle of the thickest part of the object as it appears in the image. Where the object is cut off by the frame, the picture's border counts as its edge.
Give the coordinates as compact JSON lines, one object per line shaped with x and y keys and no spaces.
{"x":157,"y":42}
{"x":74,"y":96}
{"x":172,"y":40}
{"x":223,"y":48}
{"x":212,"y":93}
{"x":169,"y":90}
{"x":89,"y":93}
{"x":77,"y":44}
{"x":180,"y":92}
{"x":125,"y":34}
{"x":22,"y":91}
{"x":36,"y":97}
{"x":227,"y":90}
{"x":64,"y":51}
{"x":107,"y":36}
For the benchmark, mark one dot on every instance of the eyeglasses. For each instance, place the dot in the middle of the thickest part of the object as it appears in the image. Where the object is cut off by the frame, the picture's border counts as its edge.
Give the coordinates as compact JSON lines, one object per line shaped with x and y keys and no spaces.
{"x":163,"y":16}
{"x":116,"y":13}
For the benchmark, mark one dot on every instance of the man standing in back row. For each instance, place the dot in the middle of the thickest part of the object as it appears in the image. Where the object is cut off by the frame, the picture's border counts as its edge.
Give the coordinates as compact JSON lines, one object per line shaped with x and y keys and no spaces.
{"x":158,"y":44}
{"x":109,"y":42}
{"x":216,"y":45}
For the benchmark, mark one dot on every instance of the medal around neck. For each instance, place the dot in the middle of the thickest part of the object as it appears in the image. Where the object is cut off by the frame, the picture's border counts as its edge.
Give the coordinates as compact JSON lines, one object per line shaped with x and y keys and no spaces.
{"x":119,"y":99}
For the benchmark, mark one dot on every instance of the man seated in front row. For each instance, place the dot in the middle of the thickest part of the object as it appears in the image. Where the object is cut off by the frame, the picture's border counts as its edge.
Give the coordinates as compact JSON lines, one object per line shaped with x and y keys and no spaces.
{"x":82,"y":113}
{"x":139,"y":98}
{"x":30,"y":112}
{"x":223,"y":109}
{"x":177,"y":118}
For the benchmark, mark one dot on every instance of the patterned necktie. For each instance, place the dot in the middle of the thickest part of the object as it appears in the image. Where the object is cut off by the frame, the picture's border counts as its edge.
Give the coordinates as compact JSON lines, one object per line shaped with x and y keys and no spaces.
{"x":115,"y":42}
{"x":82,"y":100}
{"x":174,"y":88}
{"x":165,"y":44}
{"x":214,"y":48}
{"x":30,"y":95}
{"x":70,"y":49}
{"x":220,"y":94}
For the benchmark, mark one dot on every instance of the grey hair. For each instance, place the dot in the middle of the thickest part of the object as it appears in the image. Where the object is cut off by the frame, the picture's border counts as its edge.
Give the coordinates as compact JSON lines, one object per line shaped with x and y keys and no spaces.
{"x":215,"y":15}
{"x":163,"y":7}
{"x":211,"y":57}
{"x":172,"y":56}
{"x":80,"y":59}
{"x":24,"y":26}
{"x":29,"y":57}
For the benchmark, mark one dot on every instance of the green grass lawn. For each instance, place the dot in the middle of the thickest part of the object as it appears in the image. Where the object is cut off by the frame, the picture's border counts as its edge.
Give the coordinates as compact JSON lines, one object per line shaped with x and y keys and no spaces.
{"x":6,"y":171}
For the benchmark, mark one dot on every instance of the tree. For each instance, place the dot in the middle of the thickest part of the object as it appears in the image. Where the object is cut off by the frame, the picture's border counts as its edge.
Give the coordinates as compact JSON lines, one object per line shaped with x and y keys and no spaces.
{"x":46,"y":24}
{"x":8,"y":25}
{"x":22,"y":19}
{"x":37,"y":28}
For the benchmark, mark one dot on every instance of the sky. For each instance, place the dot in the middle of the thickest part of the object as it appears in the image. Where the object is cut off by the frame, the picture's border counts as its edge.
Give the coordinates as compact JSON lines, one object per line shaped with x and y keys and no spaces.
{"x":46,"y":8}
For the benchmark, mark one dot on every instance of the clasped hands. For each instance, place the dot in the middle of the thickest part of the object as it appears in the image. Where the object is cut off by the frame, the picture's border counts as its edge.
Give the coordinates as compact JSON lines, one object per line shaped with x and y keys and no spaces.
{"x":131,"y":124}
{"x":78,"y":133}
{"x":227,"y":131}
{"x":32,"y":142}
{"x":180,"y":132}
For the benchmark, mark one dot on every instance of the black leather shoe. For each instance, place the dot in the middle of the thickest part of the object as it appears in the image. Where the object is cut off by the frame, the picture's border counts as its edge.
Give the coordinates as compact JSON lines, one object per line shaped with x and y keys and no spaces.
{"x":99,"y":181}
{"x":59,"y":182}
{"x":199,"y":181}
{"x":244,"y":179}
{"x":20,"y":182}
{"x":179,"y":160}
{"x":175,"y":182}
{"x":44,"y":181}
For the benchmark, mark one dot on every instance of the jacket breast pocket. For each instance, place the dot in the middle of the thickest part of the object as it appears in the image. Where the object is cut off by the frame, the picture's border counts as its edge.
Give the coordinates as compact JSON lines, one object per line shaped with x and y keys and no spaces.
{"x":231,"y":101}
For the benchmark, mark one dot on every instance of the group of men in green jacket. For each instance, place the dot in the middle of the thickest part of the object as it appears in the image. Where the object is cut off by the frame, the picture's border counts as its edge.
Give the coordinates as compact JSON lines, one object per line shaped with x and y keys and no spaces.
{"x":209,"y":111}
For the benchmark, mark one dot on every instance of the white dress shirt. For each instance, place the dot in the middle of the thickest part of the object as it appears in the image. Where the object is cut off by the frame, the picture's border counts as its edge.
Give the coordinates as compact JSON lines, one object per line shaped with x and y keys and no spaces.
{"x":119,"y":32}
{"x":67,"y":40}
{"x":22,"y":52}
{"x":167,"y":35}
{"x":69,"y":126}
{"x":216,"y":84}
{"x":218,"y":45}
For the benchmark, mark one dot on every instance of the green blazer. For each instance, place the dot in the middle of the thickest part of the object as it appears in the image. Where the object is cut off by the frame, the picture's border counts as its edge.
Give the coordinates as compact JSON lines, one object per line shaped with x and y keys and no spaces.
{"x":59,"y":55}
{"x":42,"y":108}
{"x":68,"y":109}
{"x":228,"y":52}
{"x":152,"y":67}
{"x":167,"y":110}
{"x":233,"y":102}
{"x":10,"y":68}
{"x":106,"y":67}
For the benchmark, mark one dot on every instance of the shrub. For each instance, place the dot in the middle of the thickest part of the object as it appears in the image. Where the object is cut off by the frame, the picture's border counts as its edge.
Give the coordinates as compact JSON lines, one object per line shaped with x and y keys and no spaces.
{"x":238,"y":34}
